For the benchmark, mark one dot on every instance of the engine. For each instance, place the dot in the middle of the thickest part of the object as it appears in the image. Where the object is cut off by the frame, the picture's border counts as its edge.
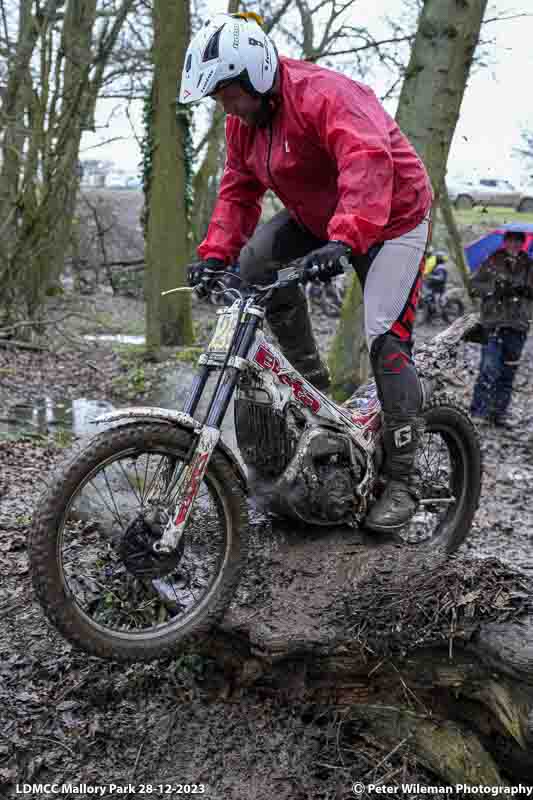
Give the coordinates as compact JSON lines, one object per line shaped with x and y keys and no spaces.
{"x":320,"y":484}
{"x":332,"y":499}
{"x":308,"y":473}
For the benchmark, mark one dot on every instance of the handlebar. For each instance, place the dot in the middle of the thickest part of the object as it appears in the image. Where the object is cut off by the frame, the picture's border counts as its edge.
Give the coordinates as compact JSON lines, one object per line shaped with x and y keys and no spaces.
{"x":286,"y":276}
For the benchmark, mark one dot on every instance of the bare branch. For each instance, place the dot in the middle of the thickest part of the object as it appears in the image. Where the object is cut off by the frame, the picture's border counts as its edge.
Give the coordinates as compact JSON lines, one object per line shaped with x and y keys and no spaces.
{"x":277,"y":16}
{"x":502,"y":19}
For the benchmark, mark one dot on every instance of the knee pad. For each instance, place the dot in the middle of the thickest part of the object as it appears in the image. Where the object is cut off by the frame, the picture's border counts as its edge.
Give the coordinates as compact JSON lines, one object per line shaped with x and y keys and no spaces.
{"x":391,"y":352}
{"x":395,"y":374}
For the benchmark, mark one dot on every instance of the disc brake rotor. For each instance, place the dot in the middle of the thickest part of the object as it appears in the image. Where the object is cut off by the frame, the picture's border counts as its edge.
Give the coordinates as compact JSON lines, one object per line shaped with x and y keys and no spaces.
{"x":136,"y":550}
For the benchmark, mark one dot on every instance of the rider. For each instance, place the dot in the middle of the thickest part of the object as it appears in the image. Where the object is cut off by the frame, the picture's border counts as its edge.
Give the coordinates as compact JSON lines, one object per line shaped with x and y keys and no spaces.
{"x":435,"y":278}
{"x":435,"y":273}
{"x":354,"y":190}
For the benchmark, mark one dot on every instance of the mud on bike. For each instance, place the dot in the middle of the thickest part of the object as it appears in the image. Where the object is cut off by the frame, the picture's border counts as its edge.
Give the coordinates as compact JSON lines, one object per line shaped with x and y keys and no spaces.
{"x":138,"y":543}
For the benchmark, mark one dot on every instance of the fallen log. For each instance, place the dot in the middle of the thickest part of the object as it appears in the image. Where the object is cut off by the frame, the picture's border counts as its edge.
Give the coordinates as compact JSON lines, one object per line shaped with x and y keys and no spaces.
{"x":415,"y":644}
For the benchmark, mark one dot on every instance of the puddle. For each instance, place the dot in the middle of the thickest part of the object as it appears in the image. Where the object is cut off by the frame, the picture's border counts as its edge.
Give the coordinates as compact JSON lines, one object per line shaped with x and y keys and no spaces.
{"x":120,"y":338}
{"x":46,"y":416}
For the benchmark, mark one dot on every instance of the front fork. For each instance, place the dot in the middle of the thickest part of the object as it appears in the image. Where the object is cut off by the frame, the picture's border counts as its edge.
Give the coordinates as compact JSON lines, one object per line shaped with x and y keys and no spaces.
{"x":191,"y":476}
{"x":187,"y":489}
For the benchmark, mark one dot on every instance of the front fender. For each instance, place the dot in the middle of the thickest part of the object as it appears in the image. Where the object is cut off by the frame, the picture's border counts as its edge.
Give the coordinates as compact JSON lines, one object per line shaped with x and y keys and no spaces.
{"x":149,"y":413}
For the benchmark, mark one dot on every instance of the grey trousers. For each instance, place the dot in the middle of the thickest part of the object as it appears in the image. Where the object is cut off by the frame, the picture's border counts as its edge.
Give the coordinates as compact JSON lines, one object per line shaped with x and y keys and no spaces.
{"x":388,"y":273}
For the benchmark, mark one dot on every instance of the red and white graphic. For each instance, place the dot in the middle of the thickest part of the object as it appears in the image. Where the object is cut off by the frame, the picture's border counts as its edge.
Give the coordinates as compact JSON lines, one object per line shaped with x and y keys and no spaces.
{"x":369,"y":416}
{"x":268,"y":360}
{"x":196,"y":477}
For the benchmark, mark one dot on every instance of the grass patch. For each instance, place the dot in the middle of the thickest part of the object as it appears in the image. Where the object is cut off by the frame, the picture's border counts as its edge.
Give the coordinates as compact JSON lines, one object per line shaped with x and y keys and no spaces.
{"x":132,"y":380}
{"x":491,"y":216}
{"x":103,"y":320}
{"x":131,"y":383}
{"x":188,"y":355}
{"x":134,"y":327}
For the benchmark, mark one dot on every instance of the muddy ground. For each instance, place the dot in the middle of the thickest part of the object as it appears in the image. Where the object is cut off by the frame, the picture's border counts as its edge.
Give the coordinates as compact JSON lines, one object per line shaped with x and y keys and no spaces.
{"x":68,"y":718}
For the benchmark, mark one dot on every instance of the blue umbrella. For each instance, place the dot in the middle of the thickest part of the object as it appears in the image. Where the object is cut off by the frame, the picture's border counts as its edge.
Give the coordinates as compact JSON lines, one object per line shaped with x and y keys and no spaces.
{"x":482,"y":248}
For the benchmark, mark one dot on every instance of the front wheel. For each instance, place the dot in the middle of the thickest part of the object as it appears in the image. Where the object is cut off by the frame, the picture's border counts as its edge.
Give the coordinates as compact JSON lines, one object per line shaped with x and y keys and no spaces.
{"x":93,"y":567}
{"x":447,"y":478}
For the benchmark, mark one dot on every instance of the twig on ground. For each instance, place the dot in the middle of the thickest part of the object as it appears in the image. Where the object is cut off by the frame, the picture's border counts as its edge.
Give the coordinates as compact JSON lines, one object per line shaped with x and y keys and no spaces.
{"x":56,"y":741}
{"x":139,"y":751}
{"x":386,"y":757}
{"x":96,"y":368}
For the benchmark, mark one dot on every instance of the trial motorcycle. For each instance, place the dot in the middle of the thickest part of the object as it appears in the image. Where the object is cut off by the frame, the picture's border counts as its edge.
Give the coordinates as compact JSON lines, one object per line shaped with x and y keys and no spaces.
{"x":432,"y":305}
{"x":138,"y":543}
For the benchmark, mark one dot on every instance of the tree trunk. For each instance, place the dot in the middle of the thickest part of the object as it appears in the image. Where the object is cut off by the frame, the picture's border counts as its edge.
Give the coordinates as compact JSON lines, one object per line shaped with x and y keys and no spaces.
{"x":435,"y":81}
{"x":206,"y":176}
{"x":168,"y":320}
{"x":454,"y":236}
{"x":348,"y":359}
{"x":424,"y":648}
{"x":14,"y":102}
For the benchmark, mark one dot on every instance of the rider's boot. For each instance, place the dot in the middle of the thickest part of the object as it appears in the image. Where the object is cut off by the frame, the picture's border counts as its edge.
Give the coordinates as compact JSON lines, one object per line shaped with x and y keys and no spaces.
{"x":401,"y":398}
{"x":289,"y":320}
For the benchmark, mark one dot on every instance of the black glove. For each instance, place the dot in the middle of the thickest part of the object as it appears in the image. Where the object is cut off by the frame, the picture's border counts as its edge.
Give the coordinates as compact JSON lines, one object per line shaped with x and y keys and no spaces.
{"x":504,"y":287}
{"x":328,"y":261}
{"x":199,"y":278}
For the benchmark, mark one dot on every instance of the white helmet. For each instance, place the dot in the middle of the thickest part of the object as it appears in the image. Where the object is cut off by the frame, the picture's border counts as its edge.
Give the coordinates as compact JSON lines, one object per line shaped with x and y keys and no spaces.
{"x":230,"y":47}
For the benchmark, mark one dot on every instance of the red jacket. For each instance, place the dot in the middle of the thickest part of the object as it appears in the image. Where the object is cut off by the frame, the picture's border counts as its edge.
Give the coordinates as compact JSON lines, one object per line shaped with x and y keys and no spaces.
{"x":333,"y":156}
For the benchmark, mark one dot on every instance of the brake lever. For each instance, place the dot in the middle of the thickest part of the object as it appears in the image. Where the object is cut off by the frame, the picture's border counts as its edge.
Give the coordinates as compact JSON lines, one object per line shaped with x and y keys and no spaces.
{"x":179,"y":289}
{"x":202,"y":284}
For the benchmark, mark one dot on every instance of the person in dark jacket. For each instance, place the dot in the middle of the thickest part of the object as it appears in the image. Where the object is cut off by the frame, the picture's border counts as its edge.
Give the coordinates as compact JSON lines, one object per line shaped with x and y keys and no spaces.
{"x":354,"y":190}
{"x":505,"y":284}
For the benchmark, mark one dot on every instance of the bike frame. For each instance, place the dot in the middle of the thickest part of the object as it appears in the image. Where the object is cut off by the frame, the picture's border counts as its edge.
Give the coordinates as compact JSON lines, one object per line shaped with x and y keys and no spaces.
{"x":239,"y":344}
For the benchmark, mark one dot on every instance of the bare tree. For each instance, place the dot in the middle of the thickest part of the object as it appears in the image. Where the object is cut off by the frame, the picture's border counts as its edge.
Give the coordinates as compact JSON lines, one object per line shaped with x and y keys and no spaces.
{"x":57,"y":65}
{"x":433,"y":89}
{"x":107,"y":242}
{"x":435,"y":81}
{"x":168,"y":320}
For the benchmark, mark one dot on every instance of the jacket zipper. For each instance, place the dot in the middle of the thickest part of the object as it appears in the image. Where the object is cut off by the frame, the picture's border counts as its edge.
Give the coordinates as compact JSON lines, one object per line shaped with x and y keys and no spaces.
{"x":269,"y":171}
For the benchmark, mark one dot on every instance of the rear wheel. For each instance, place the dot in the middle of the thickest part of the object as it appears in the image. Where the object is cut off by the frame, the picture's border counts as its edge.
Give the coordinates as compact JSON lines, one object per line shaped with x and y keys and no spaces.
{"x":452,"y":309}
{"x":423,"y":312}
{"x":447,"y":477}
{"x":93,"y":566}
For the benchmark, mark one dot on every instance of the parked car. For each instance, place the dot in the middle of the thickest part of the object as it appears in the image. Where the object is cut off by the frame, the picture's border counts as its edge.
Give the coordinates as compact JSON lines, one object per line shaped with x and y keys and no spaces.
{"x":490,"y":192}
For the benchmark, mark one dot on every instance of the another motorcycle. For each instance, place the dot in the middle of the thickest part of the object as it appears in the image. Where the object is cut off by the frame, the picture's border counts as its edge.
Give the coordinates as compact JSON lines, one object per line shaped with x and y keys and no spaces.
{"x":139,"y":541}
{"x":434,"y":305}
